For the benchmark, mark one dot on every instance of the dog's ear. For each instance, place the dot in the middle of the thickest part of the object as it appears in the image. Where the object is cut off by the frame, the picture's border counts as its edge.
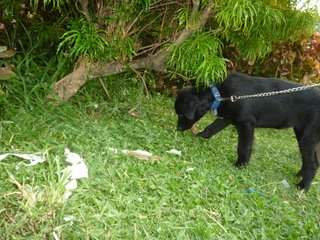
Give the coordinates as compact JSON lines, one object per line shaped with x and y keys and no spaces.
{"x":190,"y":107}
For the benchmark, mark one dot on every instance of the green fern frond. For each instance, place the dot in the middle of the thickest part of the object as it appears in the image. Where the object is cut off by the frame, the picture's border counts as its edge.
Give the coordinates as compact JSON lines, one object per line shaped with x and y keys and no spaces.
{"x":200,"y":57}
{"x":56,"y":4}
{"x":238,"y":15}
{"x":298,"y":20}
{"x":84,"y":40}
{"x":183,"y":17}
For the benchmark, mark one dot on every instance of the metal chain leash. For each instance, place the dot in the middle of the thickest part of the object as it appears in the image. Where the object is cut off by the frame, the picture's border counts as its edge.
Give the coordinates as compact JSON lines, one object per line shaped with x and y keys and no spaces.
{"x":269,"y":94}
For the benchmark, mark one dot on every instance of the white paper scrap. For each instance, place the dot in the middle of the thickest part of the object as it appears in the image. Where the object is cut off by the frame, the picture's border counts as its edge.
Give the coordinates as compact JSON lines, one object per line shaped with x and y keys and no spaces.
{"x":114,"y":150}
{"x":69,"y":218}
{"x":190,"y":169}
{"x":174,"y":151}
{"x":55,"y":236}
{"x":33,"y":158}
{"x":77,"y":170}
{"x":285,"y":183}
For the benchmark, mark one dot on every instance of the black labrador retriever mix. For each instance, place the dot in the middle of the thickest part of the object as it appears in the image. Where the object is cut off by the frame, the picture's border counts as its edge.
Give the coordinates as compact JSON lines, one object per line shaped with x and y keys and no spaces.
{"x":300,"y":110}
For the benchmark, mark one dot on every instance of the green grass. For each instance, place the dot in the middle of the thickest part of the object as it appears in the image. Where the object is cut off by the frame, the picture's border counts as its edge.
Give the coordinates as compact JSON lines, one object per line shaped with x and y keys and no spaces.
{"x":128,"y":198}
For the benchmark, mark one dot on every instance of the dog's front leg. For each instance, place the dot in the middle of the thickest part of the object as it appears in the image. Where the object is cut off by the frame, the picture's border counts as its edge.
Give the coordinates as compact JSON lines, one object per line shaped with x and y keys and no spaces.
{"x":213,"y":128}
{"x":245,"y":141}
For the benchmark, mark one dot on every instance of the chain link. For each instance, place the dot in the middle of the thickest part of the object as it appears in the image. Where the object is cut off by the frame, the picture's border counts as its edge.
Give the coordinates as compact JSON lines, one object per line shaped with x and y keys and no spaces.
{"x":269,"y":94}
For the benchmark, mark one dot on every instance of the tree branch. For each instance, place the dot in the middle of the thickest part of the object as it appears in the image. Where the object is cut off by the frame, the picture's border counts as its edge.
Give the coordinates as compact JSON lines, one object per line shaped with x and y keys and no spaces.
{"x":84,"y":9}
{"x":70,"y":84}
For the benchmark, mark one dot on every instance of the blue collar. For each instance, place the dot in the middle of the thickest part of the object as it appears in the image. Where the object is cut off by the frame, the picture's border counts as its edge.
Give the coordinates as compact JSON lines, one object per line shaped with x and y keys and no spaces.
{"x":217,"y":98}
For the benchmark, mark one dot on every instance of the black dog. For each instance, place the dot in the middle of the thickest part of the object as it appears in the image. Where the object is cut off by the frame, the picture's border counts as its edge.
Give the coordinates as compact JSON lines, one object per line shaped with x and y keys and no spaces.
{"x":300,"y":110}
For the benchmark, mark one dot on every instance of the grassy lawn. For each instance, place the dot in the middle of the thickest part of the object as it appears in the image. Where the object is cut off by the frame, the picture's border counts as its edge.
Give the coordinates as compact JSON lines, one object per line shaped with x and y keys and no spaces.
{"x":198,"y":195}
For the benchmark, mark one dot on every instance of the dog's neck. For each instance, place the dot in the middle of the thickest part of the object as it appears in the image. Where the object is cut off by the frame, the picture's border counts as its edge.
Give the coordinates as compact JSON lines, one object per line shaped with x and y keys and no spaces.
{"x":216,"y":98}
{"x":209,"y":98}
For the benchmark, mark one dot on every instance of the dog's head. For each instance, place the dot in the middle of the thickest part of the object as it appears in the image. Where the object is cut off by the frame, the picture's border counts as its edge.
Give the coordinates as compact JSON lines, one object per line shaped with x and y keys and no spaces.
{"x":189,"y":107}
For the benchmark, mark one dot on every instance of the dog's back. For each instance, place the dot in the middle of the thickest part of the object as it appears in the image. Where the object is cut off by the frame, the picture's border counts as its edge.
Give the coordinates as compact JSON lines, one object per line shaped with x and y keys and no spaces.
{"x":242,"y":84}
{"x":279,"y":111}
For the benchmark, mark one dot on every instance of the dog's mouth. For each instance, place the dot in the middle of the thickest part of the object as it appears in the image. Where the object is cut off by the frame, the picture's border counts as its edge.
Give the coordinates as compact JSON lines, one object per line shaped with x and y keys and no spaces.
{"x":184,"y":123}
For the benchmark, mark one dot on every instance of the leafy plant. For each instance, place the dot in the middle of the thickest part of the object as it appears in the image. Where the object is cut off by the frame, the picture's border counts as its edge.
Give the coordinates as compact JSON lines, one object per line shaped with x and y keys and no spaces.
{"x":84,"y":39}
{"x":253,"y":26}
{"x":137,"y":34}
{"x":56,"y":4}
{"x":298,"y":61}
{"x":200,"y":57}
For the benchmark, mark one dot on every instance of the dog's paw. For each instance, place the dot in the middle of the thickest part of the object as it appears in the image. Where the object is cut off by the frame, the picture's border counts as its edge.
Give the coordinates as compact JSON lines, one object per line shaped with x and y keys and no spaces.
{"x":204,"y":134}
{"x":303,"y":186}
{"x":240,"y":164}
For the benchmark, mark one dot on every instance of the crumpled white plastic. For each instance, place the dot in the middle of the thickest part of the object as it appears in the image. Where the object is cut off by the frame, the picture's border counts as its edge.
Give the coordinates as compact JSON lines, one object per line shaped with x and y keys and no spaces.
{"x":77,"y":169}
{"x":190,"y":169}
{"x":174,"y":151}
{"x":69,"y":218}
{"x":285,"y":183}
{"x":33,"y":158}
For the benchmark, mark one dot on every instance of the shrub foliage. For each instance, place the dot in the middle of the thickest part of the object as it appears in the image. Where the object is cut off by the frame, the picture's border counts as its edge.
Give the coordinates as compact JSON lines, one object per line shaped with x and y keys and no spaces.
{"x":121,"y":31}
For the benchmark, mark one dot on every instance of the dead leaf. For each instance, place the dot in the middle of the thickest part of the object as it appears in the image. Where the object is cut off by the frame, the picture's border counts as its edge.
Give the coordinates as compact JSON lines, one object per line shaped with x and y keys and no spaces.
{"x":6,"y":74}
{"x":142,"y":155}
{"x":135,"y":114}
{"x":194,"y":130}
{"x":7,"y":54}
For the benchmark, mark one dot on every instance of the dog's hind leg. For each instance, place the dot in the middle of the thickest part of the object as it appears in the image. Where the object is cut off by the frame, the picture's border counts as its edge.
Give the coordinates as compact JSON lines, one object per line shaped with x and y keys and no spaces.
{"x":298,"y":134}
{"x":308,"y":145}
{"x":245,"y":141}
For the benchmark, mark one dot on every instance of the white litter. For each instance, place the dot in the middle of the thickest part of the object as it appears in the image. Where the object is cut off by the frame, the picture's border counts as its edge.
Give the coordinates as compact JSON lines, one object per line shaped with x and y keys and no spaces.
{"x":33,"y":158}
{"x":174,"y":151}
{"x":191,"y":169}
{"x":56,"y":236}
{"x":113,"y":150}
{"x":69,"y":218}
{"x":77,"y":170}
{"x":285,"y":184}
